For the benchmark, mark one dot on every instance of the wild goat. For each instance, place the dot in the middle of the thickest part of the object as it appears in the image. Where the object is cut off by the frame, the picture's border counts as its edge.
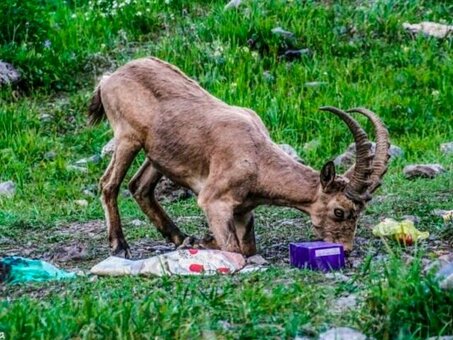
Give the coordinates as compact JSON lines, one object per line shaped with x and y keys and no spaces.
{"x":224,"y":154}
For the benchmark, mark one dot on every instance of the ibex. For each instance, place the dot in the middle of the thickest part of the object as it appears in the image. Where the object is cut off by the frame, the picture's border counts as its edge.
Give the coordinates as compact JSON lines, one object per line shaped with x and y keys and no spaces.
{"x":224,"y":154}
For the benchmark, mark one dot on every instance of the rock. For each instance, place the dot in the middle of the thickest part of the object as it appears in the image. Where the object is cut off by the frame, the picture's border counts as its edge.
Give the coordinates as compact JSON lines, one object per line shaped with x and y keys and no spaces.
{"x":76,"y":168}
{"x":290,"y":151}
{"x":413,"y":218}
{"x":45,"y":117}
{"x":233,"y":4}
{"x":447,"y":148}
{"x":445,"y":337}
{"x":337,"y":276}
{"x":82,"y":203}
{"x":50,"y":155}
{"x":445,"y":274}
{"x":312,"y":145}
{"x":344,"y":303}
{"x":108,"y":148}
{"x":440,"y":262}
{"x":268,"y":77}
{"x":167,"y":189}
{"x":257,"y":260}
{"x":137,"y":223}
{"x":342,"y":333}
{"x":431,"y":29}
{"x":296,"y":54}
{"x":7,"y":189}
{"x":281,"y":32}
{"x":348,"y":157}
{"x":74,"y":252}
{"x":315,"y":83}
{"x":91,"y":160}
{"x":423,"y":170}
{"x":447,"y":215}
{"x":90,"y":190}
{"x":8,"y":74}
{"x":126,"y":193}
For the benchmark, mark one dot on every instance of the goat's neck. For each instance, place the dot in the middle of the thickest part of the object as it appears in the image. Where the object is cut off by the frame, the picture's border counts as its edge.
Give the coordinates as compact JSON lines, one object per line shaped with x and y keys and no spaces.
{"x":287,"y":182}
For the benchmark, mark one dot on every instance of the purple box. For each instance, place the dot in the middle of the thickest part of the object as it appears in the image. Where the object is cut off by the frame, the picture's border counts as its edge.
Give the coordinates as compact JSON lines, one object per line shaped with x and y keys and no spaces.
{"x":317,"y":255}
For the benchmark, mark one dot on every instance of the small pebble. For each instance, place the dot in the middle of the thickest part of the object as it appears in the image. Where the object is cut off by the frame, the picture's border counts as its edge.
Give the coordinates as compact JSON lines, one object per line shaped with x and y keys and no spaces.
{"x":7,"y":189}
{"x":82,"y":203}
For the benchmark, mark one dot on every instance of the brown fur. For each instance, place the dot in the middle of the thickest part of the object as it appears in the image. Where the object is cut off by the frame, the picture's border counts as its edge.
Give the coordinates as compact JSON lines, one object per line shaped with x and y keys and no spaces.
{"x":222,"y":153}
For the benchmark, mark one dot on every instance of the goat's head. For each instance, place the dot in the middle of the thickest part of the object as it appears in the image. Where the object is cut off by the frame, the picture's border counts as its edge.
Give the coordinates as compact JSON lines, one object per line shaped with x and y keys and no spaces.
{"x":342,"y":198}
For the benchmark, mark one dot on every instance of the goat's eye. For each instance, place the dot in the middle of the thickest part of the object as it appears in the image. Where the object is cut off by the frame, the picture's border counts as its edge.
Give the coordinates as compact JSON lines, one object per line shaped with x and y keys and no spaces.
{"x":339,"y":213}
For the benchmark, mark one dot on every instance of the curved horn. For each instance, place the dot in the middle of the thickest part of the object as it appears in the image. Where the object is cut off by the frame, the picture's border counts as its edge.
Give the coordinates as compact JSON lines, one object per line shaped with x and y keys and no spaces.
{"x":381,"y":156}
{"x":360,"y":178}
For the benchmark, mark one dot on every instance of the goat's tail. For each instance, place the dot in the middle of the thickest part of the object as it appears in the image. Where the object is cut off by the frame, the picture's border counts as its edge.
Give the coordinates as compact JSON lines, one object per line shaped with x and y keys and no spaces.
{"x":96,"y":112}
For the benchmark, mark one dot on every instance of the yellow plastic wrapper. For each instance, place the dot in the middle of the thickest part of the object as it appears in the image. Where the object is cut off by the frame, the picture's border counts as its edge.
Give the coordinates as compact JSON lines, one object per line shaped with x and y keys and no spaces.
{"x":404,"y":231}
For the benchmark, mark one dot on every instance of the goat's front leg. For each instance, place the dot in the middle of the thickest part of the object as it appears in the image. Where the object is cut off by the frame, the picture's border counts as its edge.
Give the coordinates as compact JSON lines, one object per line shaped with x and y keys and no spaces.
{"x":142,"y":188}
{"x":221,"y":223}
{"x":122,"y":158}
{"x":245,"y":231}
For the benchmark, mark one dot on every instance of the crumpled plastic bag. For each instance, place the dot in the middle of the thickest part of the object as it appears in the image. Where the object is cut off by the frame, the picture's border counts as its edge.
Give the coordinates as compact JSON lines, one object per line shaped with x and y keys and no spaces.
{"x":403,"y":231}
{"x":179,"y":262}
{"x":16,"y":269}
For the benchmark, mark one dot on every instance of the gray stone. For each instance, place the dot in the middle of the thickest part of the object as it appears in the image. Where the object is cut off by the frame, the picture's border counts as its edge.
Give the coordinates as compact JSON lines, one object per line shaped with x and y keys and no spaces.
{"x":45,"y":117}
{"x":444,"y":337}
{"x":8,"y":74}
{"x":290,"y":151}
{"x":315,"y":83}
{"x":447,"y":148}
{"x":76,"y":168}
{"x":344,"y":303}
{"x":295,"y":54}
{"x":168,"y":190}
{"x":440,"y":262}
{"x":90,"y":160}
{"x":233,"y":4}
{"x":137,"y":223}
{"x":108,"y":148}
{"x":430,"y":29}
{"x":268,"y":77}
{"x":7,"y":189}
{"x":281,"y":32}
{"x":342,"y":333}
{"x":348,"y":157}
{"x":337,"y":277}
{"x":445,"y":274}
{"x":423,"y":170}
{"x":82,"y":203}
{"x":312,"y":145}
{"x":88,"y":192}
{"x":50,"y":155}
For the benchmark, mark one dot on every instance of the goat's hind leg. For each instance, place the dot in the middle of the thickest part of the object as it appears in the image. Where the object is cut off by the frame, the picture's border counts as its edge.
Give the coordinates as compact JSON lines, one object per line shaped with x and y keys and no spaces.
{"x":122,"y":158}
{"x":142,"y":188}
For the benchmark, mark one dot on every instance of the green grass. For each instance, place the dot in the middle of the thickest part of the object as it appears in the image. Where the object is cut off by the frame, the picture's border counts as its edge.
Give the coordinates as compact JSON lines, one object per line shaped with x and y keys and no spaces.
{"x":363,"y":57}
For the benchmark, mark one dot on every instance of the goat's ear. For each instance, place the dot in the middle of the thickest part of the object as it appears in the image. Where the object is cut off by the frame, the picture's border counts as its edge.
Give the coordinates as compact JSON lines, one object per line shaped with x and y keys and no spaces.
{"x":327,"y":175}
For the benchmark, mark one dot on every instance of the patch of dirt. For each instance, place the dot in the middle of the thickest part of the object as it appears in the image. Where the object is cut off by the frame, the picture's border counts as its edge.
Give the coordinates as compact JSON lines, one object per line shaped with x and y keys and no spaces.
{"x":81,"y":245}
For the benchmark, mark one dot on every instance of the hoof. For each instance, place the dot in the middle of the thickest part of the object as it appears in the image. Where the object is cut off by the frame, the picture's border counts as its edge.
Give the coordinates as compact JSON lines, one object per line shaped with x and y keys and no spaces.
{"x":121,"y":250}
{"x":189,"y":242}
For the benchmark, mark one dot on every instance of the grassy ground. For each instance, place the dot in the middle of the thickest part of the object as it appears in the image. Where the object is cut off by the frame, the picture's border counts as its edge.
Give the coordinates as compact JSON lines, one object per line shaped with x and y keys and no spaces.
{"x":359,"y":54}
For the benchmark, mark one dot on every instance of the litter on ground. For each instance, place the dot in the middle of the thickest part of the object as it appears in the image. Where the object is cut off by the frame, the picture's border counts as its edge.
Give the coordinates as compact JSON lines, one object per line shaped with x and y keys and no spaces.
{"x":180,"y":262}
{"x":404,"y":231}
{"x":16,"y":269}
